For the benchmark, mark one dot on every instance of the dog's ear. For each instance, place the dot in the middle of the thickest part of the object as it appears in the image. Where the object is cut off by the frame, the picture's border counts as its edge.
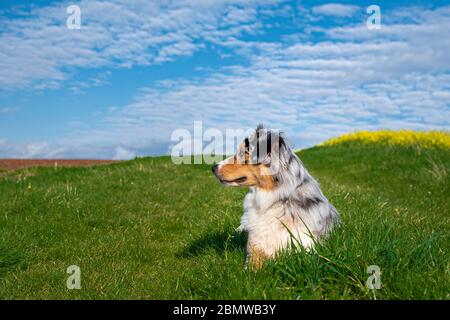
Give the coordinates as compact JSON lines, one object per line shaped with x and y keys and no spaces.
{"x":283,"y":145}
{"x":282,"y":141}
{"x":260,"y":127}
{"x":267,"y":160}
{"x":269,"y":142}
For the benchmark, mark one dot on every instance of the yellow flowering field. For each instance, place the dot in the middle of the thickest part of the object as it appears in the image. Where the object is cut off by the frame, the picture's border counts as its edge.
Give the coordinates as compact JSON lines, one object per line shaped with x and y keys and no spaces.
{"x":425,"y":139}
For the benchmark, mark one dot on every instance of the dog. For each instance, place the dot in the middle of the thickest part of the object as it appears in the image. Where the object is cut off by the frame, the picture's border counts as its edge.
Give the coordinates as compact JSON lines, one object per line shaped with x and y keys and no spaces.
{"x":285,"y":206}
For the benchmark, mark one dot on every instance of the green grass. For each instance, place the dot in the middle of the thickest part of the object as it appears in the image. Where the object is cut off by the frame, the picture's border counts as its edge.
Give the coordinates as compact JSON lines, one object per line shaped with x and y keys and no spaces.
{"x":150,"y":229}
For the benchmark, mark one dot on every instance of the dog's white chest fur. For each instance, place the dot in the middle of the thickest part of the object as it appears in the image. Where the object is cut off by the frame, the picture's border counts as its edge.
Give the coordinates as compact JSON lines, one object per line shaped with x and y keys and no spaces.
{"x":272,"y":224}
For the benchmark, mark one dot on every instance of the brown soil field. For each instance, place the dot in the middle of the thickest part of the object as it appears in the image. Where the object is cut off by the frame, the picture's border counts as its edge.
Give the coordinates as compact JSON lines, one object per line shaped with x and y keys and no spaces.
{"x":11,"y":164}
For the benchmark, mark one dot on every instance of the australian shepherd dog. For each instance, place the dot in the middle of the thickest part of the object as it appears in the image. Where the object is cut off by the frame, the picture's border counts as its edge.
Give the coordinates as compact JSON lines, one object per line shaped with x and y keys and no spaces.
{"x":284,"y":206}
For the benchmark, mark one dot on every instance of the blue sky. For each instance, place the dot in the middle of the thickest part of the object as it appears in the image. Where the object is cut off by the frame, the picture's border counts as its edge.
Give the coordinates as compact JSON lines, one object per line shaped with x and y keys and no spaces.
{"x":138,"y":70}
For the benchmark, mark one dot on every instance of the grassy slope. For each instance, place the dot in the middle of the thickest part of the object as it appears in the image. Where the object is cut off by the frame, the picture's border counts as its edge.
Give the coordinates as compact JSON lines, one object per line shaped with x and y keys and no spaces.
{"x":150,"y":229}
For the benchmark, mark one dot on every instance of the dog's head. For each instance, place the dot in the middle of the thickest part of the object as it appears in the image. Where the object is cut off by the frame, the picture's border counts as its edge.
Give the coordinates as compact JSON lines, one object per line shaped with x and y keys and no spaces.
{"x":257,"y":161}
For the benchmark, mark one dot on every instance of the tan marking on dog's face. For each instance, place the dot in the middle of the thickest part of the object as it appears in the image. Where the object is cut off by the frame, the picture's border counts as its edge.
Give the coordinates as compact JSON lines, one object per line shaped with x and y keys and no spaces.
{"x":237,"y":171}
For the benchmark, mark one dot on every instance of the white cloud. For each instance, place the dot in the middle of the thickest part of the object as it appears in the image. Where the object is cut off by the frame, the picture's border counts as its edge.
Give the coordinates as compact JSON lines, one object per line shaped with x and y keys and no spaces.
{"x":100,"y":79}
{"x":335,"y":10}
{"x":36,"y":149}
{"x":39,"y":50}
{"x":122,"y":153}
{"x":33,"y":149}
{"x":41,"y":149}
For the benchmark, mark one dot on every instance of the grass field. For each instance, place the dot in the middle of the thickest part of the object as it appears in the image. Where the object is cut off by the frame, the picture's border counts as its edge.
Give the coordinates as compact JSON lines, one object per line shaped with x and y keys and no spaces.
{"x":151,"y":229}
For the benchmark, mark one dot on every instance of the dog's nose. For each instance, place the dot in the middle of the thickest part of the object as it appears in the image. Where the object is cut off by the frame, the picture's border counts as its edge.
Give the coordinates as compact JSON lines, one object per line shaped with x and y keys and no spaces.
{"x":214,"y":168}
